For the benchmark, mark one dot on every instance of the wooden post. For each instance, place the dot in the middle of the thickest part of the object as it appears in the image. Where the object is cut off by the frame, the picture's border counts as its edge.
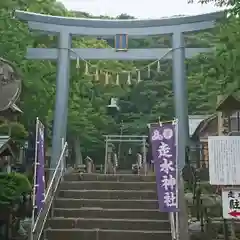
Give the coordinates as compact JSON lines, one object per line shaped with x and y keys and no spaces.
{"x":221,"y":116}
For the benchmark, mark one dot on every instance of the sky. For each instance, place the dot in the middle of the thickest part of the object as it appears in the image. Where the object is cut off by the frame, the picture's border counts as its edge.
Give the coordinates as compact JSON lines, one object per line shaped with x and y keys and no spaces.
{"x":147,"y":8}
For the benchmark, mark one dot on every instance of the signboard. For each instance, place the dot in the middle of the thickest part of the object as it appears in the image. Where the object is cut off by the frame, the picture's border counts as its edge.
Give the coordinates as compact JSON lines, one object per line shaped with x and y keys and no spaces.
{"x":224,"y":160}
{"x":163,"y":142}
{"x":121,"y":42}
{"x":231,"y":203}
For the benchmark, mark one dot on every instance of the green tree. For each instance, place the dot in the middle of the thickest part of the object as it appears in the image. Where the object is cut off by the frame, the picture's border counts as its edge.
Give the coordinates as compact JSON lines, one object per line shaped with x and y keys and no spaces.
{"x":208,"y":75}
{"x":88,"y":118}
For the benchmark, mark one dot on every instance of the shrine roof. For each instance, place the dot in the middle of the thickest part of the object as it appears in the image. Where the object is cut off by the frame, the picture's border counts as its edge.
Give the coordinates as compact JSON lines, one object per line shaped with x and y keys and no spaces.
{"x":229,"y":103}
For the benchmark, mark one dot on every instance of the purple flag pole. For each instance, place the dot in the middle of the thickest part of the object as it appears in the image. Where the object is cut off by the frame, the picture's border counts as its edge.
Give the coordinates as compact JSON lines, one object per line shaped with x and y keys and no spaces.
{"x":164,"y":153}
{"x":34,"y":176}
{"x":40,"y":183}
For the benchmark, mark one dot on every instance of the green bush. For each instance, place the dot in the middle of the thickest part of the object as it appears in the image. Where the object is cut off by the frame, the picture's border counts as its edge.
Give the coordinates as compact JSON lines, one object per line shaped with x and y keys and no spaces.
{"x":18,"y":132}
{"x":12,"y":187}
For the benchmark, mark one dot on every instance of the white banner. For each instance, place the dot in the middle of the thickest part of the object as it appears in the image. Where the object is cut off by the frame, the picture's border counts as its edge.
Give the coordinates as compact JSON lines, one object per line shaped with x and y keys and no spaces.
{"x":224,"y":160}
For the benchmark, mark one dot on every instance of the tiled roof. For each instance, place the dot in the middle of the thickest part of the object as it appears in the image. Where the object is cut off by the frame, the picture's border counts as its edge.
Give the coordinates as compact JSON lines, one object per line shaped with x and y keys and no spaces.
{"x":14,"y":107}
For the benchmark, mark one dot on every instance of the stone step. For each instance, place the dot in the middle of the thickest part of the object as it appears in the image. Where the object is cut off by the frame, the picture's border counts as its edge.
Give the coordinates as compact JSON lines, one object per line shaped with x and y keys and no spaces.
{"x":100,"y":234}
{"x":105,"y":203}
{"x":110,"y":213}
{"x":108,"y":194}
{"x":102,"y":223}
{"x":102,"y":185}
{"x":109,"y":177}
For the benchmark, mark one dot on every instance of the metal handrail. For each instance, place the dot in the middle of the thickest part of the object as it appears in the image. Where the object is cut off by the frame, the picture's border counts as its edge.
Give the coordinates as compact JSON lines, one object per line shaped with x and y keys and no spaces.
{"x":38,"y":226}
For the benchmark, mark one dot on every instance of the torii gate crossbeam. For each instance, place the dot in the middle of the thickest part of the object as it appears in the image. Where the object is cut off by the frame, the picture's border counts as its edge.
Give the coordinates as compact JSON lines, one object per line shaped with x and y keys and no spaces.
{"x":66,"y":27}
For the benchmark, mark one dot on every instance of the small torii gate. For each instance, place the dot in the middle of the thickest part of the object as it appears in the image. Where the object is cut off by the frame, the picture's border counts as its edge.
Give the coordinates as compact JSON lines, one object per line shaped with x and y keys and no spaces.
{"x":140,"y":139}
{"x":65,"y":27}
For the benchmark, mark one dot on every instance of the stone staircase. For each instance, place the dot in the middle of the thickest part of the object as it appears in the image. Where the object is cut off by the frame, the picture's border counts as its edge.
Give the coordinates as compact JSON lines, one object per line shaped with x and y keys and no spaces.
{"x":107,"y":207}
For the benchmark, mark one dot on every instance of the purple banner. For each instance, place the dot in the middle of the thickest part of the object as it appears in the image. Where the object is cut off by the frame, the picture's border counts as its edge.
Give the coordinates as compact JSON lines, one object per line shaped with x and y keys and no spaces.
{"x":40,"y":173}
{"x":164,"y":157}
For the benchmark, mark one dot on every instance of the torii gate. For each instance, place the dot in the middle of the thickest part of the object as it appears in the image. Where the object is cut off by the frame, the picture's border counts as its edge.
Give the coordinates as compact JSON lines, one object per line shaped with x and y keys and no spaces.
{"x":65,"y":27}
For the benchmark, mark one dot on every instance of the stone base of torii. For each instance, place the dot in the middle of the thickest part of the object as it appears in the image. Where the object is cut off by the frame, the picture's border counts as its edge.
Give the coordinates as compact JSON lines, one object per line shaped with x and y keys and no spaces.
{"x":183,"y":212}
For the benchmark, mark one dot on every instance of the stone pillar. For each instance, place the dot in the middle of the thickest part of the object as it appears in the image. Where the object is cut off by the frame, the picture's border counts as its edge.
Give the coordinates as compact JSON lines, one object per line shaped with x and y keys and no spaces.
{"x":180,"y":96}
{"x":181,"y":113}
{"x":61,"y":104}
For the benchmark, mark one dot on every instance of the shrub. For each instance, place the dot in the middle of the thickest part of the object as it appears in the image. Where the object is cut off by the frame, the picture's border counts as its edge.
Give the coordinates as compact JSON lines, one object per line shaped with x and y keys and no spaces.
{"x":13,"y":186}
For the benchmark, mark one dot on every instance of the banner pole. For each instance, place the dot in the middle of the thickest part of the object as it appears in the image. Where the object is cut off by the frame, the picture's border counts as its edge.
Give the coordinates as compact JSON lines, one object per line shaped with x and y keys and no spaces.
{"x":177,"y":181}
{"x":35,"y":177}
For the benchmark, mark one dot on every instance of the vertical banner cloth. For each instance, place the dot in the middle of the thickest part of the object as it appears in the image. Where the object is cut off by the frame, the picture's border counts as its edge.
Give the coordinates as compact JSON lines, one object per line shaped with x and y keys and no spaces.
{"x":163,"y":141}
{"x":40,"y":173}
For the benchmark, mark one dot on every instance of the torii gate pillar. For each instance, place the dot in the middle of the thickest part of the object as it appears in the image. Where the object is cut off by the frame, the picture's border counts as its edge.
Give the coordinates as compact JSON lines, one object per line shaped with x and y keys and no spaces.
{"x":62,"y":92}
{"x":180,"y":94}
